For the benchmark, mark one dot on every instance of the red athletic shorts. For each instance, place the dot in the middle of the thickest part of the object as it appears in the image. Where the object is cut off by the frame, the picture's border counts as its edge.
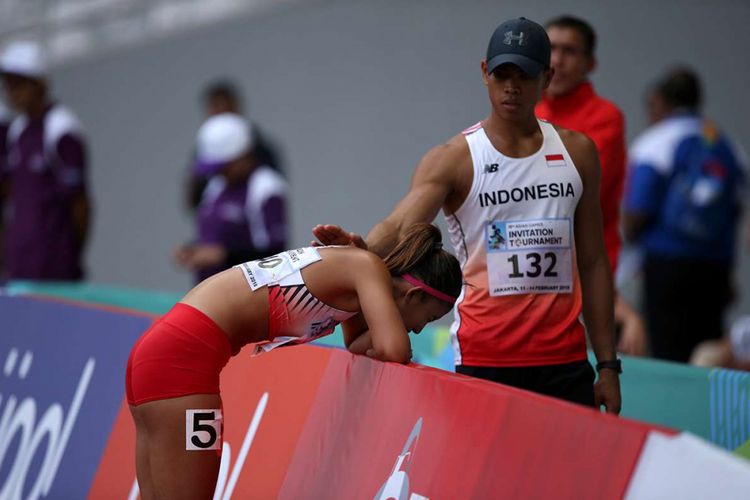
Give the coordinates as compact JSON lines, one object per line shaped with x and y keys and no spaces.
{"x":182,"y":353}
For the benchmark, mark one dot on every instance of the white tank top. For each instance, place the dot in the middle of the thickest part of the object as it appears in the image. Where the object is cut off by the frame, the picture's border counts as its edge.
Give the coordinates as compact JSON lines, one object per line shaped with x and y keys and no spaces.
{"x":513,"y":236}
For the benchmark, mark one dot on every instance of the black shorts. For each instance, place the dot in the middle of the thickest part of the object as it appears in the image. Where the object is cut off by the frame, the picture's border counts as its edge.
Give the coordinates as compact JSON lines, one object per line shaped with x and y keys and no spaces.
{"x":572,"y":382}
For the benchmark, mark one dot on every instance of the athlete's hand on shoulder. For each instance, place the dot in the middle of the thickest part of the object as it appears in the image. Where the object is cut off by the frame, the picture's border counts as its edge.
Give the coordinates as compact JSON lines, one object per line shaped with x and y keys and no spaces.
{"x":329,"y":234}
{"x":607,"y":391}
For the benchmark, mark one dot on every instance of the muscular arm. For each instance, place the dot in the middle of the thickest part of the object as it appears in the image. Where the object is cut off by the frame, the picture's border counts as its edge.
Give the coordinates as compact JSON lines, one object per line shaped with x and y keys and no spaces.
{"x":593,"y":267}
{"x":434,"y":182}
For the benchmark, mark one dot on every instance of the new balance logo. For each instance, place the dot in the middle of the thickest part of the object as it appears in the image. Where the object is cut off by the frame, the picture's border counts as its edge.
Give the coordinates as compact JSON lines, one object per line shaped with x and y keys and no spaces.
{"x":510,"y":38}
{"x":490,"y":168}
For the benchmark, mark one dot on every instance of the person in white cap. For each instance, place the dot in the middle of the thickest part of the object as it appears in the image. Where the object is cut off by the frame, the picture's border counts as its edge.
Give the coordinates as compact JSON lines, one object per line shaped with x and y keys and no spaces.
{"x":242,"y":213}
{"x":222,"y":96}
{"x":46,"y":205}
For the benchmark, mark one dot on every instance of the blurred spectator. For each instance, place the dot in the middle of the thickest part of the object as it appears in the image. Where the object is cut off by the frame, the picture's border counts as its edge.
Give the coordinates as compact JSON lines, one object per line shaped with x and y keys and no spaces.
{"x":571,"y":102}
{"x":242,"y":213}
{"x":5,"y":119}
{"x":682,"y":207}
{"x":732,"y":352}
{"x":46,"y":206}
{"x":223,"y":97}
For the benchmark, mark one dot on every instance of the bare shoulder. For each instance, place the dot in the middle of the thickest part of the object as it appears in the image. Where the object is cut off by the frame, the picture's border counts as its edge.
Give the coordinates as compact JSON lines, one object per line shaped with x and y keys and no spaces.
{"x":576,"y":143}
{"x":353,"y":260}
{"x":448,"y":164}
{"x":580,"y":148}
{"x":454,"y":149}
{"x":448,"y":154}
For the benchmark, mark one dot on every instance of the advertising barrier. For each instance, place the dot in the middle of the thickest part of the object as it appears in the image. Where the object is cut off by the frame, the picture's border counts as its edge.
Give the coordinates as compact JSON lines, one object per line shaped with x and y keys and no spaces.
{"x":62,"y":386}
{"x":313,"y":422}
{"x":712,"y":403}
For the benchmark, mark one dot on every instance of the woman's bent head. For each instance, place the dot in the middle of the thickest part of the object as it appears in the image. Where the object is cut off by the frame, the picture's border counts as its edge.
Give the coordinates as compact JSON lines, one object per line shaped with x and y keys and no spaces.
{"x":427,"y":279}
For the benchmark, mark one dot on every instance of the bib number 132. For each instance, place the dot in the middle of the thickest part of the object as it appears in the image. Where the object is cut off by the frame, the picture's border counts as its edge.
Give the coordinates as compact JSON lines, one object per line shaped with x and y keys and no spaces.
{"x":529,"y":256}
{"x":537,"y":264}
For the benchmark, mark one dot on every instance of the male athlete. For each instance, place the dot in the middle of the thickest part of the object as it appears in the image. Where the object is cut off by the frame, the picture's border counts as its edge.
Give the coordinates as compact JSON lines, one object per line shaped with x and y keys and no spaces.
{"x":517,"y":319}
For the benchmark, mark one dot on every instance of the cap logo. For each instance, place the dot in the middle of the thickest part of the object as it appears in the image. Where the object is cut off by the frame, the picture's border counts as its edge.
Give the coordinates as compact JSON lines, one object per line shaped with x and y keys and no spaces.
{"x":510,"y":38}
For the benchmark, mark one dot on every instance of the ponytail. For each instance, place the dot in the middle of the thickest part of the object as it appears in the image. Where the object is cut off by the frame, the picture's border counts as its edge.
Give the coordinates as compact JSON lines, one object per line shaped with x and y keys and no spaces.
{"x":420,"y":253}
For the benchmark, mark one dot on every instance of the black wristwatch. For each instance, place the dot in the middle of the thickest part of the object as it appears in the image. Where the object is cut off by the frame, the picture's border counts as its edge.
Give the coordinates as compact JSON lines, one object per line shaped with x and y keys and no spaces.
{"x":614,"y":364}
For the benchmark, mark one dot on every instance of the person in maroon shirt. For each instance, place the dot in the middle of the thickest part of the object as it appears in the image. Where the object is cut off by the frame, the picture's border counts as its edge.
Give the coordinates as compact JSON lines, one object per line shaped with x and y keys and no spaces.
{"x":5,"y":118}
{"x":571,"y":102}
{"x":45,"y":202}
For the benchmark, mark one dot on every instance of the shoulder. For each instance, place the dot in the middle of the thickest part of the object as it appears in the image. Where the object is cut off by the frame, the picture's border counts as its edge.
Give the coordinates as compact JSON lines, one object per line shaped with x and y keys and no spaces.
{"x":454,"y":149}
{"x":583,"y":152}
{"x":579,"y":146}
{"x":60,"y":121}
{"x":355,"y":261}
{"x":265,"y":181}
{"x":657,"y":144}
{"x":443,"y":159}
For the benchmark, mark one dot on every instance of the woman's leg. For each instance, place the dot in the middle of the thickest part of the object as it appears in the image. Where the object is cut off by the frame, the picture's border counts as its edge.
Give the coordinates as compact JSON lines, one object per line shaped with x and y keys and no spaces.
{"x":142,"y":465}
{"x":182,"y":456}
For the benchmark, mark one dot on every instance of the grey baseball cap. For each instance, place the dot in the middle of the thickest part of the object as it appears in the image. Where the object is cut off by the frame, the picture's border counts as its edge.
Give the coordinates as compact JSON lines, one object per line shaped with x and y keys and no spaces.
{"x":520,"y":42}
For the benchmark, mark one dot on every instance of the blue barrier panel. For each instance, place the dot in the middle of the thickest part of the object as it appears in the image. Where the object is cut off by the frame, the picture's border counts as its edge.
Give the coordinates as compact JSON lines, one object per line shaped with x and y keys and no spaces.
{"x":61,"y":386}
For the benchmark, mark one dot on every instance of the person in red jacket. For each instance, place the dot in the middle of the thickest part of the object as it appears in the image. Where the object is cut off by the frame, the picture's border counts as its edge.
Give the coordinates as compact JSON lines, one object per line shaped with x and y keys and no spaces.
{"x":571,"y":102}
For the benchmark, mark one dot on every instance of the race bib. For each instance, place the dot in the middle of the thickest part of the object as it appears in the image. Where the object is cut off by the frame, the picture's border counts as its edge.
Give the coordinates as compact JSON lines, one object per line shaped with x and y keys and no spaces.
{"x":203,"y":429}
{"x":531,"y":256}
{"x":273,"y":269}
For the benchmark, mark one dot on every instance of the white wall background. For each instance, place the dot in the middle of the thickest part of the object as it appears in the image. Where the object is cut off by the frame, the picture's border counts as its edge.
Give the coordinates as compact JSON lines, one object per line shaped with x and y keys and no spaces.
{"x":355,"y":92}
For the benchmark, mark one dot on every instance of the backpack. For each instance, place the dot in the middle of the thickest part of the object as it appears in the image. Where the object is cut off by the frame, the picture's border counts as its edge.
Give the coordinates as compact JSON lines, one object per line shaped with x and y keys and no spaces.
{"x":702,"y":201}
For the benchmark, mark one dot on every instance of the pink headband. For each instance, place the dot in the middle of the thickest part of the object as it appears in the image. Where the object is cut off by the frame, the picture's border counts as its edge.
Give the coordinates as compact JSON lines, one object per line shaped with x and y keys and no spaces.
{"x":427,"y":288}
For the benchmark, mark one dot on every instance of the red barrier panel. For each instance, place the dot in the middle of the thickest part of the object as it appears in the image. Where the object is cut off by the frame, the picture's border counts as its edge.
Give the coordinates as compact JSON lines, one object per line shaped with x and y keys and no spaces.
{"x":275,"y":390}
{"x":309,"y":422}
{"x":396,"y":429}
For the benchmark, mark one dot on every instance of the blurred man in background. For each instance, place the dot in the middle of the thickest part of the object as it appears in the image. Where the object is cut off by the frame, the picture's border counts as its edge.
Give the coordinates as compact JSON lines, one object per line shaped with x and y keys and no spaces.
{"x":682,"y":207}
{"x":223,"y":97}
{"x":571,"y":102}
{"x":46,"y":205}
{"x":242,"y":214}
{"x":5,"y":119}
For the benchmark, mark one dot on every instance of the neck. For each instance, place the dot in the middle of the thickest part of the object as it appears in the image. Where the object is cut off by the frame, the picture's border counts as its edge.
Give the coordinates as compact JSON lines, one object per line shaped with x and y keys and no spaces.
{"x":36,"y":110}
{"x":511,"y":132}
{"x":511,"y":129}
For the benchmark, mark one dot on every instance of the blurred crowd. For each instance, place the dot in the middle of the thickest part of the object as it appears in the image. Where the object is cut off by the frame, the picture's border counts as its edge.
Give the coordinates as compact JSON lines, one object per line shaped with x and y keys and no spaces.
{"x":674,"y":195}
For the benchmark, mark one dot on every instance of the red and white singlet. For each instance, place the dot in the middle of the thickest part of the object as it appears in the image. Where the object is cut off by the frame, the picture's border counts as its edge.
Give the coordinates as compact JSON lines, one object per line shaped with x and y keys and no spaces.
{"x":513,"y":236}
{"x":295,"y":315}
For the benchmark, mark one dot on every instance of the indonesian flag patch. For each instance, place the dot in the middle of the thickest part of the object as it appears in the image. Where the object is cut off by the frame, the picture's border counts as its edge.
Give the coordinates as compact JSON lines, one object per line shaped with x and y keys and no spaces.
{"x":555,"y":160}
